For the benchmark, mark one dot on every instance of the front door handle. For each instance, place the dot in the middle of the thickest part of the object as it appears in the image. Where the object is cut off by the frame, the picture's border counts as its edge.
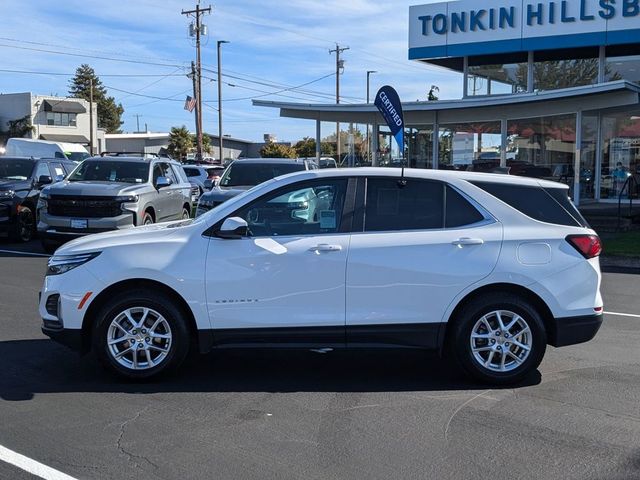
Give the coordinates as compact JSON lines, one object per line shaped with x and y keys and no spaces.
{"x":461,"y":242}
{"x":325,"y":247}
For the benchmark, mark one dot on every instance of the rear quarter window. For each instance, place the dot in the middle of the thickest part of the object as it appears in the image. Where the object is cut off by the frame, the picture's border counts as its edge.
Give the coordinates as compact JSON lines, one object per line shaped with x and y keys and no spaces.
{"x":549,"y":205}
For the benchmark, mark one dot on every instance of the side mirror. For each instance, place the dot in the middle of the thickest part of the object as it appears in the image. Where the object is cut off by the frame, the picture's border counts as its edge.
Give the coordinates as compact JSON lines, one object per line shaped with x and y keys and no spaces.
{"x":44,"y":180}
{"x":208,"y":184}
{"x":163,"y":182}
{"x":233,"y":228}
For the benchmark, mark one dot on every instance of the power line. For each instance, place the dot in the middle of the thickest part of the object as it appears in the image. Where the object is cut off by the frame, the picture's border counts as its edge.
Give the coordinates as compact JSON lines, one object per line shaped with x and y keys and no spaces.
{"x":124,"y":75}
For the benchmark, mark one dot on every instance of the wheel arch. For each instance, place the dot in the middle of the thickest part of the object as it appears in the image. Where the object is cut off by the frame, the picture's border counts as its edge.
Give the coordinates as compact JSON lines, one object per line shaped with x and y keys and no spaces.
{"x":103,"y":297}
{"x":536,"y":301}
{"x":151,"y":211}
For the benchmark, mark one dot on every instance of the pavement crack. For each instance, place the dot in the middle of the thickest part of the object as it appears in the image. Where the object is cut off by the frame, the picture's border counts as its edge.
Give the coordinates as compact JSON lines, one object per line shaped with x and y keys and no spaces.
{"x":132,"y":457}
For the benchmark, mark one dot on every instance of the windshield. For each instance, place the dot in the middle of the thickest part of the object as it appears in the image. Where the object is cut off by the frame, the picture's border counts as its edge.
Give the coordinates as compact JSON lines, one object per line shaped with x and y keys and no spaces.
{"x":76,"y":156}
{"x":249,"y":174}
{"x":14,"y":169}
{"x":111,"y":171}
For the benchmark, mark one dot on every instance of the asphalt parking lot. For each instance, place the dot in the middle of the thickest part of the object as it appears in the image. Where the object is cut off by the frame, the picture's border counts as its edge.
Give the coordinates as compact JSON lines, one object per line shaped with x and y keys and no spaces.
{"x":306,"y":415}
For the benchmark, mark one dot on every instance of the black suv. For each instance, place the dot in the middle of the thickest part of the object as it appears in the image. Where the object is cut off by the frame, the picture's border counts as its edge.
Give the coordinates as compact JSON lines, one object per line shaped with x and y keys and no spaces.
{"x":21,"y":180}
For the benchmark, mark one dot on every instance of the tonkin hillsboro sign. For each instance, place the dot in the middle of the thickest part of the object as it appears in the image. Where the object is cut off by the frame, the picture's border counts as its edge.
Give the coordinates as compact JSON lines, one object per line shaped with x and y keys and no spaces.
{"x":469,"y":27}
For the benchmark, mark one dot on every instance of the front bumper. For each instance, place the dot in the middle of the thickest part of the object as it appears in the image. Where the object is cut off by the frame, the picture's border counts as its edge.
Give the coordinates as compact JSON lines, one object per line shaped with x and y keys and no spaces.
{"x":58,"y":229}
{"x":7,"y":217}
{"x":67,"y":337}
{"x":574,"y":330}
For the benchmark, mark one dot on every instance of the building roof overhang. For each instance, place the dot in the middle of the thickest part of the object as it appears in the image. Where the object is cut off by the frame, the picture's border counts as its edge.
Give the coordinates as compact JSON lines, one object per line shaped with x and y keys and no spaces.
{"x":611,"y":94}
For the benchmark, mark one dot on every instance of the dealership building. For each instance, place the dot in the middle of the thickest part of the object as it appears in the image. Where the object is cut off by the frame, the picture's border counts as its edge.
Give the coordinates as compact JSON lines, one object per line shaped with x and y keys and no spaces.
{"x":551,"y":89}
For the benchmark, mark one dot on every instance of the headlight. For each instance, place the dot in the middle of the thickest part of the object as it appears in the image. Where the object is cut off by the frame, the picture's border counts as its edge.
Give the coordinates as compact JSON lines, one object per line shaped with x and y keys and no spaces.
{"x":63,"y":263}
{"x":7,"y":194}
{"x":127,"y":198}
{"x":42,"y":201}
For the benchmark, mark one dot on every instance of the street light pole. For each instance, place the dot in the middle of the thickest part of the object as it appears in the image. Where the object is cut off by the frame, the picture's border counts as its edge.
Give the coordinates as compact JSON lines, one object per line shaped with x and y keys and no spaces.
{"x":339,"y":66}
{"x":369,"y":72}
{"x":220,"y":42}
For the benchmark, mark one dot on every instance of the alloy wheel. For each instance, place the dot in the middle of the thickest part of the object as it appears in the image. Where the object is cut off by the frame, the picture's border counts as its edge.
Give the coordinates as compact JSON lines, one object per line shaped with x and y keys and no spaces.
{"x":501,"y":341}
{"x":139,"y":338}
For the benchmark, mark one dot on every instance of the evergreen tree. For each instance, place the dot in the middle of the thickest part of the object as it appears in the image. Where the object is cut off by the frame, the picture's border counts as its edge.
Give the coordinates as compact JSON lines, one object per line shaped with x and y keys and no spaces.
{"x":109,"y":113}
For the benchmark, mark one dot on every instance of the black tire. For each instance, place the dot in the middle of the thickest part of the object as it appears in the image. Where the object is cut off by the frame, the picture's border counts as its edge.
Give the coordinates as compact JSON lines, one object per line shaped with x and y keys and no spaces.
{"x":186,"y":214}
{"x":147,"y":219}
{"x":180,"y":337}
{"x":460,"y":337}
{"x":49,"y":247}
{"x":25,"y":227}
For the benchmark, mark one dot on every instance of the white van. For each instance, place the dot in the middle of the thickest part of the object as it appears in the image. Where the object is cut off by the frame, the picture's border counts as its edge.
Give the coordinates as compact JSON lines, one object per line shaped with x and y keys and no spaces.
{"x":26,"y":147}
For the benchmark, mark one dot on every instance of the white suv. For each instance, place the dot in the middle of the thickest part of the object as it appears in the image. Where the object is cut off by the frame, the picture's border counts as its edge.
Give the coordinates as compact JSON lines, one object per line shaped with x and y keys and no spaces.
{"x":487,"y":268}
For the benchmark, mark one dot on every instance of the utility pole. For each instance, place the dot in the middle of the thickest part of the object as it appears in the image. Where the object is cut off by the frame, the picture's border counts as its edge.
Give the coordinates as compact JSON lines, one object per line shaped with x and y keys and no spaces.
{"x":197,"y":29}
{"x":91,"y":140}
{"x":137,"y":115}
{"x":196,"y":95}
{"x":339,"y":66}
{"x":220,"y":42}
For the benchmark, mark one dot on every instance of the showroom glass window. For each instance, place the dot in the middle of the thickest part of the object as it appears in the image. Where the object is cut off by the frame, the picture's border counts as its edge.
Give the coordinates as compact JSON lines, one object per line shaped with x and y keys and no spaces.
{"x":500,"y":79}
{"x":622,"y":68}
{"x":542,"y":147}
{"x":620,"y":152}
{"x":470,"y":146}
{"x":588,"y":157}
{"x":419,"y":144}
{"x":564,"y":73}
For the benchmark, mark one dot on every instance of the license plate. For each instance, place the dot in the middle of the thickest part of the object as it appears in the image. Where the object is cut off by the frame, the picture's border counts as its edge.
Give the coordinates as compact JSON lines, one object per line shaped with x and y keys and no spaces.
{"x":75,"y":223}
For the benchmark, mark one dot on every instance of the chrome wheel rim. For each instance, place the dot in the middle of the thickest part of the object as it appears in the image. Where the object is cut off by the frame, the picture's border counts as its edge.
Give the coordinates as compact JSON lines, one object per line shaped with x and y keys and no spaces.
{"x":501,"y":341}
{"x":139,"y":338}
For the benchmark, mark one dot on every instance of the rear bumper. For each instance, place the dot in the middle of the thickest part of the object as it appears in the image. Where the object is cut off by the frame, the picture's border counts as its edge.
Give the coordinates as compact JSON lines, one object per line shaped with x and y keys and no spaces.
{"x":573,"y":330}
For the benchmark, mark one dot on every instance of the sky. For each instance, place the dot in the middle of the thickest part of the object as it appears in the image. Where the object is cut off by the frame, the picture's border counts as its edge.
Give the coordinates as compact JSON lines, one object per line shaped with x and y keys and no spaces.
{"x":142,"y":52}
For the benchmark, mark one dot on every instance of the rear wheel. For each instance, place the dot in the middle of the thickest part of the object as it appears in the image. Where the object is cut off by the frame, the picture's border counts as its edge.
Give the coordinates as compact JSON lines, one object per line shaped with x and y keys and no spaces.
{"x":141,"y":335}
{"x":25,"y":227}
{"x":498,"y":338}
{"x":185,"y":214}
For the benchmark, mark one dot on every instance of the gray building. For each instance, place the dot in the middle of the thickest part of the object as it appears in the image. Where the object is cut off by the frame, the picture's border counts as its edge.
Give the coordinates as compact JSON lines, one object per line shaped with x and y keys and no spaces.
{"x":58,"y":119}
{"x":156,"y":142}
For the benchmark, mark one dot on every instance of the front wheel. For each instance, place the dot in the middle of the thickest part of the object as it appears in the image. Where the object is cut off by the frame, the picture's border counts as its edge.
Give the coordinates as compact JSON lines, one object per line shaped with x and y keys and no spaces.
{"x":141,"y":335}
{"x":186,"y":215}
{"x":498,"y":338}
{"x":25,"y":226}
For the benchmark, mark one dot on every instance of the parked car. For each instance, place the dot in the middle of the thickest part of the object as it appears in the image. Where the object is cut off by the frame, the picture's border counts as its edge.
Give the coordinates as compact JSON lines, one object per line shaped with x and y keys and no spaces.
{"x":486,"y":268}
{"x":206,"y":176}
{"x":21,"y":180}
{"x":243,"y":174}
{"x":112,"y":193}
{"x":27,"y":147}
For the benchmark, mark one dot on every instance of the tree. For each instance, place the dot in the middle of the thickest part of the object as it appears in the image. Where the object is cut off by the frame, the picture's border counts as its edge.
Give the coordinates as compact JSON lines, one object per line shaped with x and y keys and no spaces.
{"x":180,"y":142}
{"x":551,"y":75}
{"x":306,"y":147}
{"x":109,"y":113}
{"x":20,"y":127}
{"x":432,"y":97}
{"x":277,"y":150}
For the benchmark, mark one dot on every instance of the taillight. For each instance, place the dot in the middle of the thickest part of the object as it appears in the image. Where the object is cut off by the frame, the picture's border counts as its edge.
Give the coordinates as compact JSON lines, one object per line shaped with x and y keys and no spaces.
{"x":588,"y":245}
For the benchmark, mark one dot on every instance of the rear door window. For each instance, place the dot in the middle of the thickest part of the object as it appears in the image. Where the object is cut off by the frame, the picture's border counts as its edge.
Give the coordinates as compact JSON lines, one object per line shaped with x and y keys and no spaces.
{"x":549,"y":205}
{"x":419,"y":205}
{"x":42,"y":170}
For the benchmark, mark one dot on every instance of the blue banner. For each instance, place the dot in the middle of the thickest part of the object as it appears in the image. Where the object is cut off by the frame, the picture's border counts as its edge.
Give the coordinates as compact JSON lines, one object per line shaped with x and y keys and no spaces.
{"x":388,"y":102}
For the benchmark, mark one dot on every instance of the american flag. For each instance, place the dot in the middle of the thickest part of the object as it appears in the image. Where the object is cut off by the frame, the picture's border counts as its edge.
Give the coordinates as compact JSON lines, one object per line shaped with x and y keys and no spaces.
{"x":190,"y":103}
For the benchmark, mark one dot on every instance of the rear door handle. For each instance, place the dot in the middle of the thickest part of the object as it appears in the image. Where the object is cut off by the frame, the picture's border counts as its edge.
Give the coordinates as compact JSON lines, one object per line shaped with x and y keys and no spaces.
{"x":325,"y":247}
{"x":461,"y":242}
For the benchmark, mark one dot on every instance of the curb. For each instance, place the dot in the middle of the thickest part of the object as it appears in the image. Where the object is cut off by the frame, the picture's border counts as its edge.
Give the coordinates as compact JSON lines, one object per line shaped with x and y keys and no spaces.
{"x":619,"y":264}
